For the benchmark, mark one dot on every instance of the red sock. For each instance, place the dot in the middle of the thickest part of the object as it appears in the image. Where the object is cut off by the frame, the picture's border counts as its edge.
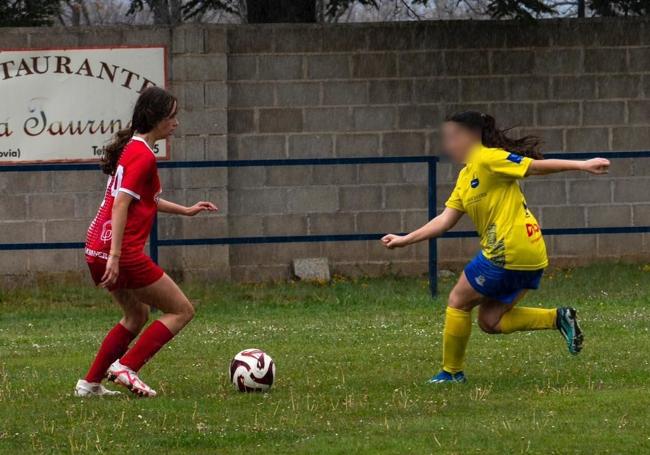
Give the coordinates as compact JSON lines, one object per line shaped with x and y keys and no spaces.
{"x":113,"y":347}
{"x":150,"y":342}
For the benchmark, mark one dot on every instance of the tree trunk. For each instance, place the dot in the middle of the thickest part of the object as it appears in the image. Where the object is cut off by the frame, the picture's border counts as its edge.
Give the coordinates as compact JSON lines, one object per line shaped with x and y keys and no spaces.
{"x":266,"y":11}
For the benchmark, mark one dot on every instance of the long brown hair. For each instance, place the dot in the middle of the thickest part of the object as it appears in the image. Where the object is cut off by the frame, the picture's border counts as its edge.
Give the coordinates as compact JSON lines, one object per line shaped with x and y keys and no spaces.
{"x":154,"y":105}
{"x":491,"y":136}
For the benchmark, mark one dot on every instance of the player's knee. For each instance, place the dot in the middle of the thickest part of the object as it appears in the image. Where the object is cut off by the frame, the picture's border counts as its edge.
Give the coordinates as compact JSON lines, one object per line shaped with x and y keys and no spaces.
{"x":456,"y":301}
{"x":137,"y":318}
{"x":187,"y":311}
{"x":488,"y":324}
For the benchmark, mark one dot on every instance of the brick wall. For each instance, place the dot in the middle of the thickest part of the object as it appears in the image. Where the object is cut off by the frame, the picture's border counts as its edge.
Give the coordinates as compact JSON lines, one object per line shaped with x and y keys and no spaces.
{"x":293,"y":91}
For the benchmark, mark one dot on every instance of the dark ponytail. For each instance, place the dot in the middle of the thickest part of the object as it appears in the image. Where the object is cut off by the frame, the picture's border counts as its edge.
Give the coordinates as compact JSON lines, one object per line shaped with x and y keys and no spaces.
{"x":493,"y":137}
{"x":154,"y":105}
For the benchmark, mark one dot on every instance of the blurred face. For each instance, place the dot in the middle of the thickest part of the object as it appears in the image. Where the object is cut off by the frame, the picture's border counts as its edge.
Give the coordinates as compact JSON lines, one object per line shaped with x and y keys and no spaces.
{"x":167,"y":126}
{"x":458,"y":140}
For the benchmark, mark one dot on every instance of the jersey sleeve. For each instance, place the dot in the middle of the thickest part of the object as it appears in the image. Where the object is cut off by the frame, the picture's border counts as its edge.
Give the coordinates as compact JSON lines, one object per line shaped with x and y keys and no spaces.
{"x":506,"y":164}
{"x":455,"y":201}
{"x":137,"y":172}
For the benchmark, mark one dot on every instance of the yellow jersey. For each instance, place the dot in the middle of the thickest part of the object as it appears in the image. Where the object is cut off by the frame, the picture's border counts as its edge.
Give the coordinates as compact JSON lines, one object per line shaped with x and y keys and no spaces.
{"x":488,"y":190}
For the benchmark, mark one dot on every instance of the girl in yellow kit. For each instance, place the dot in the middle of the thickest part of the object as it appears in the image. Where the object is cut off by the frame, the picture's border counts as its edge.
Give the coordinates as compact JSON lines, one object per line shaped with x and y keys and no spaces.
{"x":513,"y":255}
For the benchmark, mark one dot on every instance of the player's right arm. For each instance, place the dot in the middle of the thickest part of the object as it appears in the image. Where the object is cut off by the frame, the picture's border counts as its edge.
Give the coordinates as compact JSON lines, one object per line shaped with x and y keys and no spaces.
{"x":434,"y":228}
{"x":118,"y":223}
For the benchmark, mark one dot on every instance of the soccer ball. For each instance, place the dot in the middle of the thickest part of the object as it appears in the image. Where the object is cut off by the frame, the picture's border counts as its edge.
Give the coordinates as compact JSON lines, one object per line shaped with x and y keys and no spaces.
{"x":252,"y":370}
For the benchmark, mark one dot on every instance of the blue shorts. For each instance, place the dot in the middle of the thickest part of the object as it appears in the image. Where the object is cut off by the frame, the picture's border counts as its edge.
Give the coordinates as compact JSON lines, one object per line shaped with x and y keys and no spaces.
{"x":497,"y":283}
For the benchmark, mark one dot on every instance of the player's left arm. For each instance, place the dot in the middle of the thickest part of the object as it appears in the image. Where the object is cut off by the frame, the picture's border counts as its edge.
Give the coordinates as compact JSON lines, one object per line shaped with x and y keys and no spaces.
{"x":593,"y":166}
{"x":177,"y":209}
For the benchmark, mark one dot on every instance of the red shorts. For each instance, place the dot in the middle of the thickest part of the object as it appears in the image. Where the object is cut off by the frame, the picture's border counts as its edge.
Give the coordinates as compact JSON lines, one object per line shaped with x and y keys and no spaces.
{"x":136,"y":273}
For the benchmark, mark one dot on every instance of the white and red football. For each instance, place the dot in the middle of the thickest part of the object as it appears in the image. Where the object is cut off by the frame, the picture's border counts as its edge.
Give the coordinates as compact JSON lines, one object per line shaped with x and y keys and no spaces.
{"x":252,"y":370}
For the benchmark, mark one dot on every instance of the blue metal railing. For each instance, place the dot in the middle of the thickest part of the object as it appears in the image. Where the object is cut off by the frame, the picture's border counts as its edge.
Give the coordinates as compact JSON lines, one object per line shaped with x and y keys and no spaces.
{"x":431,"y":161}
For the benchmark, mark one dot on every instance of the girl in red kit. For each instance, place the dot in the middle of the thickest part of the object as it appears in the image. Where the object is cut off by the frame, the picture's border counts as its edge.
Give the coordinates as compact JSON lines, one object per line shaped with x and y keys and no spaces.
{"x":115,"y":250}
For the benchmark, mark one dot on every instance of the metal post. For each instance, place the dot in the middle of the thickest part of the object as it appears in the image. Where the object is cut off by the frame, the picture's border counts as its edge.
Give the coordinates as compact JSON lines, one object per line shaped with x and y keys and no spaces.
{"x":153,"y":241}
{"x":433,"y":244}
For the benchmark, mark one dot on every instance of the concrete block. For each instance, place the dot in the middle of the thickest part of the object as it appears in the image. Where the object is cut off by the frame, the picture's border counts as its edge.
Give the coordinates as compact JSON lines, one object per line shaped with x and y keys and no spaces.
{"x":241,"y":121}
{"x":525,"y":88}
{"x":631,"y":138}
{"x":609,"y":215}
{"x":416,"y":117}
{"x":380,"y":173}
{"x":374,"y":65}
{"x":303,"y":38}
{"x":312,"y":269}
{"x":573,"y":245}
{"x":345,"y":38}
{"x":603,"y":112}
{"x":612,"y":60}
{"x":61,"y":182}
{"x":64,"y":230}
{"x":289,"y":175}
{"x":242,"y":67}
{"x":514,"y":114}
{"x":259,"y":274}
{"x":13,"y":207}
{"x":296,"y":94}
{"x":639,"y":59}
{"x":379,"y":222}
{"x":250,"y":95}
{"x":52,"y":206}
{"x":280,"y":67}
{"x":414,"y":219}
{"x":334,"y":175}
{"x":336,"y":66}
{"x":558,"y":114}
{"x":64,"y":39}
{"x":216,"y":147}
{"x":513,"y":62}
{"x":620,"y":245}
{"x":206,"y":256}
{"x":404,"y":144}
{"x":558,"y":61}
{"x":21,"y":232}
{"x":421,"y":64}
{"x":216,"y":40}
{"x":331,"y":223}
{"x":632,"y":189}
{"x":587,"y":139}
{"x":205,"y":226}
{"x":415,"y":172}
{"x":312,"y":199}
{"x":390,"y":36}
{"x":406,"y":196}
{"x":212,"y":67}
{"x":345,"y":93}
{"x":247,"y":177}
{"x":188,"y":40}
{"x":619,"y":86}
{"x":87,"y":204}
{"x":260,"y":201}
{"x":208,"y":121}
{"x":390,"y":91}
{"x":203,"y":178}
{"x":437,"y":90}
{"x":641,"y":214}
{"x":638,"y":112}
{"x":249,"y":40}
{"x":152,"y":35}
{"x":353,"y":198}
{"x":482,"y":89}
{"x":311,"y":146}
{"x":466,"y":63}
{"x":285,"y":225}
{"x":54,"y":261}
{"x":590,"y":191}
{"x":245,"y":225}
{"x":216,"y":94}
{"x":11,"y":265}
{"x":328,"y":119}
{"x":374,"y":118}
{"x":545,"y":192}
{"x":563,"y":217}
{"x":345,"y":252}
{"x":573,"y":87}
{"x":280,"y":120}
{"x":351,"y":145}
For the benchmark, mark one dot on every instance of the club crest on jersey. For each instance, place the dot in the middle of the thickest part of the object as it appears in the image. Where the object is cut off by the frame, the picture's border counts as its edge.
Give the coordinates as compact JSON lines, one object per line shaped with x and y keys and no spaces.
{"x":474,"y":183}
{"x":107,"y":232}
{"x":515,"y":158}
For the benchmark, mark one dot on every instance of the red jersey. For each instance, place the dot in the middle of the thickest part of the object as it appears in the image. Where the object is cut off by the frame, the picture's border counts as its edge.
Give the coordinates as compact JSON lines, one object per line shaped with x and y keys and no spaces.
{"x":137,"y":176}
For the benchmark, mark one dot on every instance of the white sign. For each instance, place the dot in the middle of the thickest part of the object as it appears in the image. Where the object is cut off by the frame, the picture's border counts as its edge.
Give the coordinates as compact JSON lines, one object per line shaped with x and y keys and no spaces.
{"x":65,"y":105}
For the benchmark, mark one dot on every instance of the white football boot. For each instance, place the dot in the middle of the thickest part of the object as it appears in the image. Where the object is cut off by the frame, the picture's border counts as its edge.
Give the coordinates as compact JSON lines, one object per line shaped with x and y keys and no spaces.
{"x":85,"y":389}
{"x":125,"y":376}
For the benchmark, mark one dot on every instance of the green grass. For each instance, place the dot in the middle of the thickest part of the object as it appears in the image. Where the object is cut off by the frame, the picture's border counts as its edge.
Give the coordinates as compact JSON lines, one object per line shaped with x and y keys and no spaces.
{"x":352,"y":360}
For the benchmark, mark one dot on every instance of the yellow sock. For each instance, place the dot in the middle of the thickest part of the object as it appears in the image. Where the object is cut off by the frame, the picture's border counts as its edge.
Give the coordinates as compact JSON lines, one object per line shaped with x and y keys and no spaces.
{"x":458,"y":327}
{"x":522,"y":318}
